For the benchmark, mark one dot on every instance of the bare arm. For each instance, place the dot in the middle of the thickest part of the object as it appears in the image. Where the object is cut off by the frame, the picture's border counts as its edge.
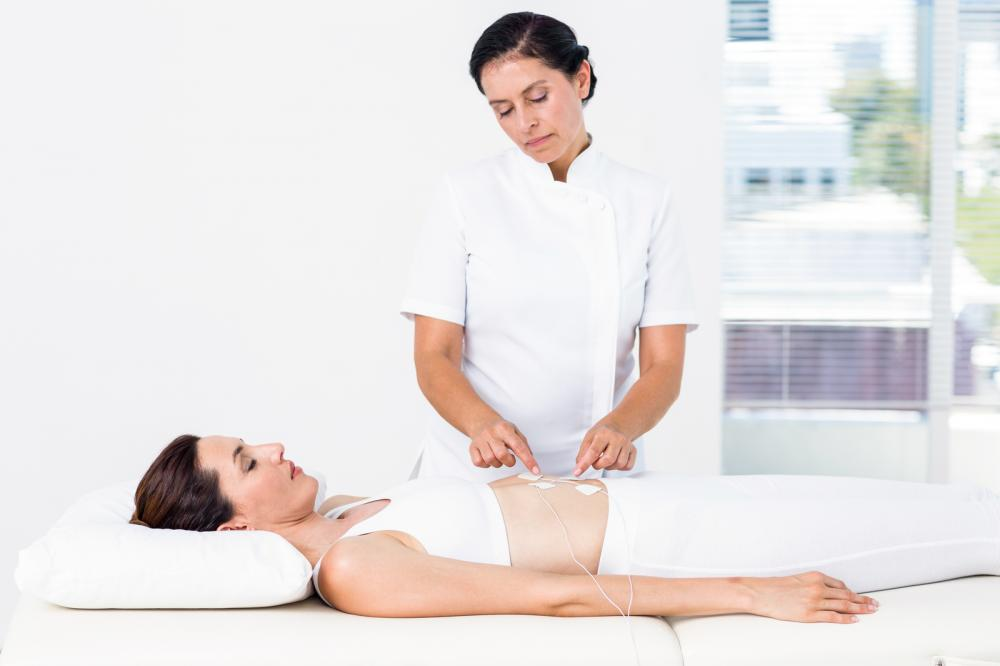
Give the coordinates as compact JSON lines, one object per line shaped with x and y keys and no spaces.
{"x":437,"y":355}
{"x":661,"y":364}
{"x":378,"y":575}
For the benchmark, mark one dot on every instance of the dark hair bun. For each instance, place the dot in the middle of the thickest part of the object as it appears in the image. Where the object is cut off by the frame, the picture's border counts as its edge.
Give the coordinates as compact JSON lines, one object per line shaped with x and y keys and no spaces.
{"x":529,"y":35}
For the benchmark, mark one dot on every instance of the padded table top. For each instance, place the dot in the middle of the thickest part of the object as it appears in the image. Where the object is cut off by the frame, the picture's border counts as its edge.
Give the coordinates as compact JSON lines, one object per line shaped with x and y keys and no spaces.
{"x":957,"y":619}
{"x":310,"y":633}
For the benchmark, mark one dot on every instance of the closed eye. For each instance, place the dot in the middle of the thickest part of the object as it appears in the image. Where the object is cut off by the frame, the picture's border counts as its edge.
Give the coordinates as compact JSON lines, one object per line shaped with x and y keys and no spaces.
{"x":536,"y":100}
{"x":253,"y":463}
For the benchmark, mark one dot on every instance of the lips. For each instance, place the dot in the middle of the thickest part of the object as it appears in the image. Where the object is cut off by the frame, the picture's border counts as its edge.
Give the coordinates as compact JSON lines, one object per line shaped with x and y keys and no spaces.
{"x":292,"y":465}
{"x":535,"y":142}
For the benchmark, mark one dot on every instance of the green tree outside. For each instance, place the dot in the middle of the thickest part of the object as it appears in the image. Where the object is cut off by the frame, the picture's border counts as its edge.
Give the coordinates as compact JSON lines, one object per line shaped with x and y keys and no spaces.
{"x":891,"y":147}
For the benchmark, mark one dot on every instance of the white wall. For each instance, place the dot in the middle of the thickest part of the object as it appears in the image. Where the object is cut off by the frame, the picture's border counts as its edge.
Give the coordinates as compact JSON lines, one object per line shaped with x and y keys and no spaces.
{"x":206,"y":213}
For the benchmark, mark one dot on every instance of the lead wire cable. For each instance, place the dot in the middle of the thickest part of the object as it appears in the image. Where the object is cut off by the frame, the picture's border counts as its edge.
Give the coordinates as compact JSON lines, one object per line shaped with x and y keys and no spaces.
{"x":628,"y":613}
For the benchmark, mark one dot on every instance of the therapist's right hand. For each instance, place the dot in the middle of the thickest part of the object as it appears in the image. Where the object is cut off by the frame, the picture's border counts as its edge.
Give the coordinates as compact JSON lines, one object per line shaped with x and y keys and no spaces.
{"x":492,"y":446}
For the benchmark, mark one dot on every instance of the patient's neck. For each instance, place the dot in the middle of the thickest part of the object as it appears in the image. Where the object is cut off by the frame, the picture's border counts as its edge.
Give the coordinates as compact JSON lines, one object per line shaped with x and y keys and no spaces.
{"x":314,"y":534}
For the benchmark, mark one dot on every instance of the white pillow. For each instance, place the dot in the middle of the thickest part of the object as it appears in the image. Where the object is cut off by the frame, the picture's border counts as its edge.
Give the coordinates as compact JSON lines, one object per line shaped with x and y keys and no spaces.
{"x":93,"y":558}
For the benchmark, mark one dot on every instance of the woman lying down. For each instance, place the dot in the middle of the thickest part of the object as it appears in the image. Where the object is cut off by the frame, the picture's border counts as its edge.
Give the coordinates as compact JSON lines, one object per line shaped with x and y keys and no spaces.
{"x":801,"y":548}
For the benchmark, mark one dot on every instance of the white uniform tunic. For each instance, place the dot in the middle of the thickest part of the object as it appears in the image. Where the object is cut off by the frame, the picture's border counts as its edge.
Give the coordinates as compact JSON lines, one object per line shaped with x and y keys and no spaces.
{"x":550,"y":281}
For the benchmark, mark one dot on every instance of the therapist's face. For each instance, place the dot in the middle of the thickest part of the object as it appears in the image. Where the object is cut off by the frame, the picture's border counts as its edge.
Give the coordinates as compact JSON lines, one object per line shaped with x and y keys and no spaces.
{"x":531,"y":101}
{"x":266,"y":490}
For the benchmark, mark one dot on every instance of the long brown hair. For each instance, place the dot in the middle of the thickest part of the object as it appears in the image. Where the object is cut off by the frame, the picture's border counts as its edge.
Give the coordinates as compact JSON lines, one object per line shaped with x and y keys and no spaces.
{"x":175,"y":493}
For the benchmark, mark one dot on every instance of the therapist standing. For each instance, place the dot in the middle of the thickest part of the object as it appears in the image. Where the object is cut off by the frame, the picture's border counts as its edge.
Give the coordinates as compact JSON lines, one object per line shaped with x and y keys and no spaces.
{"x":532,"y":272}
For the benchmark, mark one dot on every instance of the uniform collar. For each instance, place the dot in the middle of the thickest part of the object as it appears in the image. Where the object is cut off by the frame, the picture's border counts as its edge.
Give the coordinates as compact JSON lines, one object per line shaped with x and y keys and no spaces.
{"x":582,"y":170}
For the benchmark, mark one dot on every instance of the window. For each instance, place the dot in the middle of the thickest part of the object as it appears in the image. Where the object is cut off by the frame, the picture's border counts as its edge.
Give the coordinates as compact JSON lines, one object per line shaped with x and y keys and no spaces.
{"x":827,"y":181}
{"x":862,"y":314}
{"x":758,"y":181}
{"x":794,"y":181}
{"x":749,"y":19}
{"x":975,"y":269}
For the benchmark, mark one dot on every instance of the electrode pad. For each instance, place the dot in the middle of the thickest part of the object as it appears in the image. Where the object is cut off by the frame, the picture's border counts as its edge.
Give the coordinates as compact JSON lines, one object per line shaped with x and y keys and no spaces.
{"x":588,"y":489}
{"x":544,"y":485}
{"x":529,"y":477}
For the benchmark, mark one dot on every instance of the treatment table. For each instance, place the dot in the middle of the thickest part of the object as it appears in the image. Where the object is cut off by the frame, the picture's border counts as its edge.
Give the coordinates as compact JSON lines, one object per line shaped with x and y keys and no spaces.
{"x":950,"y":623}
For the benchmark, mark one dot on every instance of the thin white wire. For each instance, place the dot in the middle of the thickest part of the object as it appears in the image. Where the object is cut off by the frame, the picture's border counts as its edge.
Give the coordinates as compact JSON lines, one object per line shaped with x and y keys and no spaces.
{"x":625,"y":614}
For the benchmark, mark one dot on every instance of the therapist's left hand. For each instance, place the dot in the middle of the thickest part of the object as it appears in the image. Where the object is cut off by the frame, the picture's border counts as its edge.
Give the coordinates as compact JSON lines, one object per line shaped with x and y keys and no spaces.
{"x":605,"y":447}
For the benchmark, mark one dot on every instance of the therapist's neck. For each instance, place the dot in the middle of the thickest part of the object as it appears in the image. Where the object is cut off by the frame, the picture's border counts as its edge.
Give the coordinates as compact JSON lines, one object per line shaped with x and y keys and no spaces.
{"x":560,"y":166}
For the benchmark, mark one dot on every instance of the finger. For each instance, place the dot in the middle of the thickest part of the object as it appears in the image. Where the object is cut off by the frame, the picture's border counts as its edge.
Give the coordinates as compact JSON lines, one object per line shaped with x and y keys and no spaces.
{"x":623,"y":457}
{"x":502,"y":453}
{"x":844,"y":606}
{"x":837,"y":593}
{"x":477,"y":459}
{"x":580,"y":454}
{"x":584,"y":445}
{"x":610,"y":455}
{"x":606,"y":458}
{"x":863,"y":601}
{"x":521,"y":449}
{"x":833,"y":582}
{"x":631,"y":458}
{"x":851,"y":594}
{"x":831,"y":616}
{"x":592,"y":453}
{"x":487,"y":452}
{"x":585,"y":460}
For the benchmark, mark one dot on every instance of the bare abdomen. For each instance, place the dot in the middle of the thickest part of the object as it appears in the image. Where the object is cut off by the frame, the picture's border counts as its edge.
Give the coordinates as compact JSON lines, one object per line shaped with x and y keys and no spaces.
{"x":534,"y":535}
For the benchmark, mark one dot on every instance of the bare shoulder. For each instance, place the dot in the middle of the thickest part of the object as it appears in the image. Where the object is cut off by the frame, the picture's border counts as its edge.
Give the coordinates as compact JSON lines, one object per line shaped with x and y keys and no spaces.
{"x":349,"y":551}
{"x":371,"y":543}
{"x":354,"y":563}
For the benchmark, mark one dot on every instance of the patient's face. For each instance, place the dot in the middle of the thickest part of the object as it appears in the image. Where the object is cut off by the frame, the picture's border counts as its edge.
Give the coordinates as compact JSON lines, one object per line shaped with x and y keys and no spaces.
{"x":259,"y":481}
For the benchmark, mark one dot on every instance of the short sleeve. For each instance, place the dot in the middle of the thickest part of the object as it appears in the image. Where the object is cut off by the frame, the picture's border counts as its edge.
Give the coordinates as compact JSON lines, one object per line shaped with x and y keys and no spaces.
{"x":436,"y":286}
{"x":669,"y":297}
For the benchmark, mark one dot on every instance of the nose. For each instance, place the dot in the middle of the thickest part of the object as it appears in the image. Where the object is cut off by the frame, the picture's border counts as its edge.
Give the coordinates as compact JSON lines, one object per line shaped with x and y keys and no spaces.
{"x":527,"y":118}
{"x":277,"y":452}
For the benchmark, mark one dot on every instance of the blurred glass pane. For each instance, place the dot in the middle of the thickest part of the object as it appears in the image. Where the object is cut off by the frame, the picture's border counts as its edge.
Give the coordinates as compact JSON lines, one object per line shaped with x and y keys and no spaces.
{"x":976,"y":273}
{"x":827,"y":238}
{"x":975,"y":415}
{"x":826,"y":260}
